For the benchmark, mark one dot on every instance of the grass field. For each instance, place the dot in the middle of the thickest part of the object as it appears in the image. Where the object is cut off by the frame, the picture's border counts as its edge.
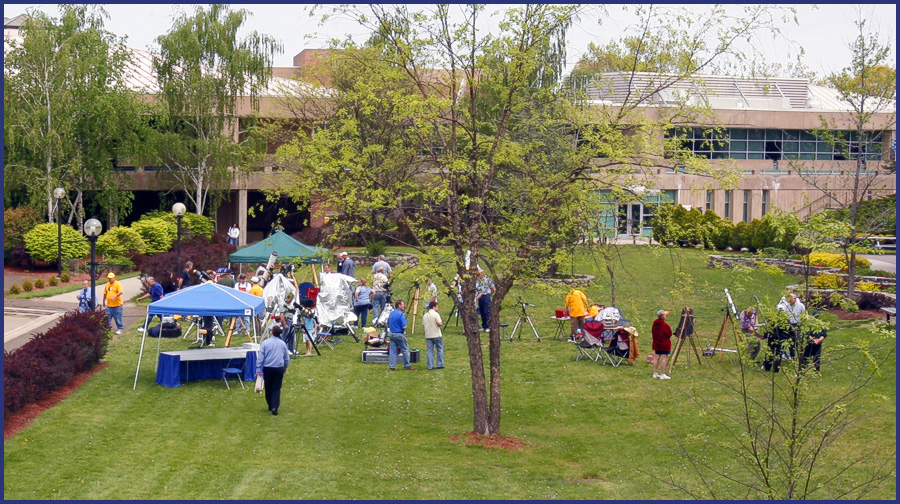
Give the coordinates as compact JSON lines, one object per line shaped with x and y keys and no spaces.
{"x":353,"y":430}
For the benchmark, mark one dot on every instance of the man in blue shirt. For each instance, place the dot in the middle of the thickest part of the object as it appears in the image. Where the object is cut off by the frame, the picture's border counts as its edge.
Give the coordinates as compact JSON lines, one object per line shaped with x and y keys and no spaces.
{"x":271,"y":364}
{"x":397,"y":327}
{"x":155,"y":293}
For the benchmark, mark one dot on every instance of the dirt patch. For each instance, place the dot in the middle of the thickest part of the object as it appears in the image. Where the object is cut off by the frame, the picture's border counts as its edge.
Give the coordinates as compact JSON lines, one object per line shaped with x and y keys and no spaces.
{"x":860,"y":315}
{"x":20,"y":419}
{"x":495,"y":441}
{"x":13,"y":275}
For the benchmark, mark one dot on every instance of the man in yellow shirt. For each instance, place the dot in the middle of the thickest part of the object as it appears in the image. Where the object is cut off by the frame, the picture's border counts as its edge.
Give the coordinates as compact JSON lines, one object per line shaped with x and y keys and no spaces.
{"x":256,"y":290}
{"x":113,"y":301}
{"x":576,"y":302}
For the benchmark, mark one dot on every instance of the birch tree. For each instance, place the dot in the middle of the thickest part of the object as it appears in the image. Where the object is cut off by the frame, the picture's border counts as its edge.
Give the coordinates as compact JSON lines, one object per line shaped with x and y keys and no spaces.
{"x":205,"y":72}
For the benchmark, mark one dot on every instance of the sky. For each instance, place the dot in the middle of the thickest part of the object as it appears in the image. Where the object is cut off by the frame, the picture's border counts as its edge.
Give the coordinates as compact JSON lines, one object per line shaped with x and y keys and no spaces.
{"x":823,"y":31}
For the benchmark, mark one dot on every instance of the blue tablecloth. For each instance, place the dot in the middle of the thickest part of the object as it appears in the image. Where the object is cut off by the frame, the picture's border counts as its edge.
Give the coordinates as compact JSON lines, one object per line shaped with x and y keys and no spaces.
{"x":172,"y":371}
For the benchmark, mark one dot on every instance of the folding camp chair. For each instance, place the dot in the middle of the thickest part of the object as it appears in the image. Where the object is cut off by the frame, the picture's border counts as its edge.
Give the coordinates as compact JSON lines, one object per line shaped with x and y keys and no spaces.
{"x":324,"y":336}
{"x":616,"y":351}
{"x":589,"y":347}
{"x":229,"y":369}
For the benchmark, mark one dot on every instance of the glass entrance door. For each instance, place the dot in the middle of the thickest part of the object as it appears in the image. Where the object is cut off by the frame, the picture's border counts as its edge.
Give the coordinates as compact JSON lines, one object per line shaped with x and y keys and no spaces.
{"x":629,"y":220}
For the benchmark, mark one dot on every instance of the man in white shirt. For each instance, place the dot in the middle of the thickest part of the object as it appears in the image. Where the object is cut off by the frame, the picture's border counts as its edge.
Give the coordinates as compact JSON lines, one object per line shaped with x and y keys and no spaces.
{"x":244,"y":286}
{"x":379,"y":289}
{"x":234,"y":232}
{"x":432,"y":323}
{"x":794,"y":308}
{"x":431,"y":288}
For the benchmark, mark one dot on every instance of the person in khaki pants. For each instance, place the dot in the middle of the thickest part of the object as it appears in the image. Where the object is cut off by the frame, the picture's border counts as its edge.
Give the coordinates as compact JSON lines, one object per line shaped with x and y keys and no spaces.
{"x":432,"y":323}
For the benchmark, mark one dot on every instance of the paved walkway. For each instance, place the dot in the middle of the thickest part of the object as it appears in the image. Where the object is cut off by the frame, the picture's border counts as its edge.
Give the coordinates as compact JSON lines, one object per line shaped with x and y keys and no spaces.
{"x":882,"y":262}
{"x":25,"y":318}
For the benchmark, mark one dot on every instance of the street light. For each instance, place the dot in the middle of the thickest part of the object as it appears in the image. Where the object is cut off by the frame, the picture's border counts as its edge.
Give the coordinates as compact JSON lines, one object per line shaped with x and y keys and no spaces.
{"x":92,"y":229}
{"x":59,"y":193}
{"x":178,"y":209}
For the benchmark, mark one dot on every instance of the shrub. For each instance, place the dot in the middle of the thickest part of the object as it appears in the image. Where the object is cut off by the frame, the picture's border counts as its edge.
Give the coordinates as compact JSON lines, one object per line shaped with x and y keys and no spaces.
{"x":53,"y":281}
{"x":868,"y":286}
{"x":204,"y":253}
{"x":27,"y":286}
{"x":19,"y":257}
{"x":722,"y":235}
{"x":739,"y":237}
{"x":882,"y":273}
{"x":119,"y":241}
{"x":192,"y":225}
{"x":158,"y":234}
{"x":376,"y":248}
{"x":41,"y":243}
{"x":39,"y":283}
{"x":710,"y":223}
{"x":17,"y":222}
{"x":15,"y":289}
{"x":50,"y":360}
{"x":65,"y":277}
{"x":774,"y":253}
{"x":120,"y":264}
{"x":827,"y":281}
{"x":890,"y":288}
{"x":836,"y":260}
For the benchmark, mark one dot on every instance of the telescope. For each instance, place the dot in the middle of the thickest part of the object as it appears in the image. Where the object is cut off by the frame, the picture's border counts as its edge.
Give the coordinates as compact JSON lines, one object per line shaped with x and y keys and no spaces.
{"x":730,"y":302}
{"x":202,"y":275}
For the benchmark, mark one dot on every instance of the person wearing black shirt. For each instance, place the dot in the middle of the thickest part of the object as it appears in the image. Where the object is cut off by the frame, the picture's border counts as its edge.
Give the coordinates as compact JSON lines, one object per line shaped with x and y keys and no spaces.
{"x":184,"y":279}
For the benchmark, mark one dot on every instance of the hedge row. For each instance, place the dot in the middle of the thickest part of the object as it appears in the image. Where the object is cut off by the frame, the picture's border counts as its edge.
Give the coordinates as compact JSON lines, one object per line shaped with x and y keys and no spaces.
{"x":75,"y":344}
{"x":674,"y":224}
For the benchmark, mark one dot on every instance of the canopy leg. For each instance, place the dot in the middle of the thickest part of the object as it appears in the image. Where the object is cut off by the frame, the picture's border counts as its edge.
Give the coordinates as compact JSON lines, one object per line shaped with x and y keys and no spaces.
{"x":141,"y":353}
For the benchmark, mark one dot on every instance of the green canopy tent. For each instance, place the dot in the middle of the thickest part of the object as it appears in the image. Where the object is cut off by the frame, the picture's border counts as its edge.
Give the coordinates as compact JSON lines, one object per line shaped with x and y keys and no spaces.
{"x":282,"y":243}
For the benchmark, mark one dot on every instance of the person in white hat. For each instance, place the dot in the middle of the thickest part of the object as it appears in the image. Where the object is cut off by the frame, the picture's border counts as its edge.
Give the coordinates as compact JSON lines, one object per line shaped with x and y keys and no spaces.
{"x":347,"y":266}
{"x":256,"y":290}
{"x":112,"y":300}
{"x":662,"y":344}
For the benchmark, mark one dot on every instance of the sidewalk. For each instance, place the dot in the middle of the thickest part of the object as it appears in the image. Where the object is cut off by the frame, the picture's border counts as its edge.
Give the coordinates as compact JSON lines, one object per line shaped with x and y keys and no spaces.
{"x":131,"y":286}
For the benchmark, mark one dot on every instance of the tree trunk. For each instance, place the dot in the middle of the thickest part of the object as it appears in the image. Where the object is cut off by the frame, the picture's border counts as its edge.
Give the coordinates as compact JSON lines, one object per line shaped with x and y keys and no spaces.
{"x":612,"y":283}
{"x":471,"y":328}
{"x":851,"y":273}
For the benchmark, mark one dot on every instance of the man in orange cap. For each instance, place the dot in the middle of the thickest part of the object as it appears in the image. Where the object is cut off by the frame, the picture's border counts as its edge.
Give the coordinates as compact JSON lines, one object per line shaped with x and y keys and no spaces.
{"x":112,"y":300}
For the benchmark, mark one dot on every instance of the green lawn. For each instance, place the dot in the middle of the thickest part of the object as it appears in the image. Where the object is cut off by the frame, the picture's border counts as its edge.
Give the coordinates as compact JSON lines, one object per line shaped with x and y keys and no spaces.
{"x":353,"y":430}
{"x":62,"y":288}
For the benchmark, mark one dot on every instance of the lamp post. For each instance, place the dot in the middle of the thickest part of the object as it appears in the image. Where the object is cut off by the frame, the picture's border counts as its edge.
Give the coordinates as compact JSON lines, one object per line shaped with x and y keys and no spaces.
{"x":59,"y":193}
{"x":92,"y":229}
{"x":178,"y":209}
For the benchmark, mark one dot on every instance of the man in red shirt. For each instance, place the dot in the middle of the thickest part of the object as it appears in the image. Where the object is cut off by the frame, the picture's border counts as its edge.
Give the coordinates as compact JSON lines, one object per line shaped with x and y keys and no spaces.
{"x":662,"y":344}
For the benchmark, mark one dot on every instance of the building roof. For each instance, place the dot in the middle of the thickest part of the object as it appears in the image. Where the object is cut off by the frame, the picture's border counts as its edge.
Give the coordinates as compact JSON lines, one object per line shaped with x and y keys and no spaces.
{"x":721,"y":92}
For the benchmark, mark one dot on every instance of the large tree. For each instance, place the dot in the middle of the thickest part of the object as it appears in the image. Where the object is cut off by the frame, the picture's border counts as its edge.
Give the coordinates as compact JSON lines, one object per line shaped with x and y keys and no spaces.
{"x":868,"y":88}
{"x":68,"y":114}
{"x":466,"y":141}
{"x":205,"y":72}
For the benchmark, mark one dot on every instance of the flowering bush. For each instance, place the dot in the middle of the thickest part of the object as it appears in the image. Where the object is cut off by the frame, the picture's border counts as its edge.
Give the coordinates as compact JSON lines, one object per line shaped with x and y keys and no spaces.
{"x":50,"y":360}
{"x":42,"y":242}
{"x":868,"y":286}
{"x":827,"y":281}
{"x":835,"y":260}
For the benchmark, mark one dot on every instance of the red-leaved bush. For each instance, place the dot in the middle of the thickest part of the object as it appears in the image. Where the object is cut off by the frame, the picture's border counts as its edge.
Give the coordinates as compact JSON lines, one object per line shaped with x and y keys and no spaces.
{"x":75,"y":344}
{"x":206,"y":253}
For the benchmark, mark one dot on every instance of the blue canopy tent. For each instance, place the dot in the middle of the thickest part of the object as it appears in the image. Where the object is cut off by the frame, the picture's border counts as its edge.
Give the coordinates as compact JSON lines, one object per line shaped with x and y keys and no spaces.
{"x":208,"y":299}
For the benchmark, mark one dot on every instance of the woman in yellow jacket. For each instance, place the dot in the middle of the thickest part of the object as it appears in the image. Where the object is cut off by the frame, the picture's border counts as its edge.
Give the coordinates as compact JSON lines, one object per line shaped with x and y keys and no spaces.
{"x":576,"y":302}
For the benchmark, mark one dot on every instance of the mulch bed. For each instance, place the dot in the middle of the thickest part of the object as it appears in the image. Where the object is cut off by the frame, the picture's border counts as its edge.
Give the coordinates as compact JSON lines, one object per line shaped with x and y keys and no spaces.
{"x":860,"y":315}
{"x":495,"y":441}
{"x":20,"y":419}
{"x":32,"y":274}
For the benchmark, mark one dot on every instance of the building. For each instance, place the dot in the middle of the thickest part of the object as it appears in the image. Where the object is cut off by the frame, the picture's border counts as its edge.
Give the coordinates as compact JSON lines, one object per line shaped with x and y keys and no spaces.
{"x":765,"y":128}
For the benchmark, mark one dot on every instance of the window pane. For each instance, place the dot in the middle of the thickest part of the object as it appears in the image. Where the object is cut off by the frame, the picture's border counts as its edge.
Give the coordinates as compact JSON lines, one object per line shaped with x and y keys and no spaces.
{"x":823,"y":147}
{"x":738,"y":133}
{"x":791,"y":134}
{"x":756,"y":146}
{"x":756,"y":134}
{"x":807,"y":156}
{"x":738,"y":155}
{"x":790,"y":156}
{"x":806,"y":135}
{"x":755,"y":155}
{"x":807,"y":147}
{"x":790,"y":146}
{"x":824,"y":157}
{"x":738,"y":146}
{"x":773,"y":134}
{"x":720,"y":155}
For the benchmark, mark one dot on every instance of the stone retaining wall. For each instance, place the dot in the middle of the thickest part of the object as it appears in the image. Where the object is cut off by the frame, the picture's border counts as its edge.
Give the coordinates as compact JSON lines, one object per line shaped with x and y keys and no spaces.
{"x":865,"y":299}
{"x":395,"y":260}
{"x":790,"y":267}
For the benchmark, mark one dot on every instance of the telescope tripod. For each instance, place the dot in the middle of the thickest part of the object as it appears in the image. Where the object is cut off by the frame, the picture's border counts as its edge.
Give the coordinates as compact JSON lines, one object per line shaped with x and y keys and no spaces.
{"x":523,"y":315}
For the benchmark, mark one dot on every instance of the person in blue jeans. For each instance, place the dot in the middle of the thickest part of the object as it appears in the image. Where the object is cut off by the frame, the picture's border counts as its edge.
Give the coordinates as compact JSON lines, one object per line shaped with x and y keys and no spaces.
{"x":484,"y":287}
{"x":432,"y":324}
{"x":155,"y":293}
{"x":397,"y":328}
{"x":362,"y":303}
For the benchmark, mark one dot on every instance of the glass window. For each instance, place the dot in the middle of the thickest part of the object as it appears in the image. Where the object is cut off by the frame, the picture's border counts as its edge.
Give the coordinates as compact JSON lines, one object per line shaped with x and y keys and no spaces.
{"x":752,"y":155}
{"x":738,"y":155}
{"x":756,"y":146}
{"x":807,"y":156}
{"x":709,"y":199}
{"x":773,"y":134}
{"x":790,"y":155}
{"x":746,"y":206}
{"x":807,"y":147}
{"x":756,"y":134}
{"x":791,"y":134}
{"x":764,"y":206}
{"x":806,"y":135}
{"x":738,"y":134}
{"x":790,"y":147}
{"x":727,"y":204}
{"x":740,"y":146}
